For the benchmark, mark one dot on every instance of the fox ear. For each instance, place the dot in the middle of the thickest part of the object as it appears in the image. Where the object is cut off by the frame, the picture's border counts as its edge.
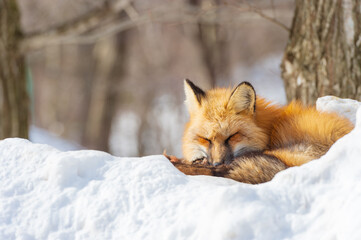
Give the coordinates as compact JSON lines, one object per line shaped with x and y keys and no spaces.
{"x":243,"y":98}
{"x":194,"y":95}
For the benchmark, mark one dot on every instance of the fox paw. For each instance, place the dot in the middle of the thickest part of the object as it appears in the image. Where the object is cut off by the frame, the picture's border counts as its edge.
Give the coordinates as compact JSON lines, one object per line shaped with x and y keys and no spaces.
{"x":171,"y":158}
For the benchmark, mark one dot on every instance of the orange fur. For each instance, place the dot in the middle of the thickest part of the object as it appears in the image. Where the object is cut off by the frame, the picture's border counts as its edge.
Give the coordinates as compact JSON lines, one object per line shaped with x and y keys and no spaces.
{"x":227,"y":124}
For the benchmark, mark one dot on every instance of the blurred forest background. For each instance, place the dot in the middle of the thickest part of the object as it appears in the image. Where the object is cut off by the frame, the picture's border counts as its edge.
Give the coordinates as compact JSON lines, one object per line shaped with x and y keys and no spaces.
{"x":108,"y":74}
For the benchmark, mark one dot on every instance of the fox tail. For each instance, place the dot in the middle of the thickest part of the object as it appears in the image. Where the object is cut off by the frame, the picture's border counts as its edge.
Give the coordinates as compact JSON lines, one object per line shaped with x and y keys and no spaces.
{"x":255,"y":167}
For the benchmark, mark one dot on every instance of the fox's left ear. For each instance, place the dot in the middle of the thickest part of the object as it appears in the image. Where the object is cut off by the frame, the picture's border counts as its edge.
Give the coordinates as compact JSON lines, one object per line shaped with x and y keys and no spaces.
{"x":194,"y":95}
{"x":243,"y":98}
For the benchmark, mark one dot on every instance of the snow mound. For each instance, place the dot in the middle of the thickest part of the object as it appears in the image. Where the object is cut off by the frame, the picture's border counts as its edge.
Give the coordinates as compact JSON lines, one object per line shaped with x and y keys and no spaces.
{"x":49,"y":194}
{"x":39,"y":135}
{"x":344,"y":107}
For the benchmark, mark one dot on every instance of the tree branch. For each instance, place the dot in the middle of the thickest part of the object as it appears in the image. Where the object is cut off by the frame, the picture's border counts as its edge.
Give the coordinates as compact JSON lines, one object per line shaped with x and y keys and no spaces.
{"x":260,"y":13}
{"x":77,"y":26}
{"x":72,"y":32}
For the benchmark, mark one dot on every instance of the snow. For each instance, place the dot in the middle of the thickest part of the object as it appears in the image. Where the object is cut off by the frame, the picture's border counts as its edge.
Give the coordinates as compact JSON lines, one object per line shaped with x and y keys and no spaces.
{"x":39,"y":135}
{"x":344,"y":107}
{"x":49,"y":194}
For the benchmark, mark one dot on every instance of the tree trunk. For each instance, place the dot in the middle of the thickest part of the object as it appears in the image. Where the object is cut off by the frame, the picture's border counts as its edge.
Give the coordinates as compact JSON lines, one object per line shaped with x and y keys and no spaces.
{"x":356,"y":47}
{"x":14,"y":109}
{"x":212,"y":46}
{"x":318,"y":59}
{"x":110,"y":55}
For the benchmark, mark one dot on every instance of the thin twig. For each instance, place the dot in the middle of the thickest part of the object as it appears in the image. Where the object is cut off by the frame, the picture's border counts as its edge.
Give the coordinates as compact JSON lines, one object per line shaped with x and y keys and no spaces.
{"x":273,"y":8}
{"x":77,"y":26}
{"x":110,"y":25}
{"x":261,"y":14}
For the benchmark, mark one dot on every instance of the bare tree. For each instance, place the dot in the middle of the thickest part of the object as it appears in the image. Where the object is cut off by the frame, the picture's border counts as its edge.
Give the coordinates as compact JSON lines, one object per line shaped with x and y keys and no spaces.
{"x":14,"y":104}
{"x":212,"y":47}
{"x":319,"y":60}
{"x":110,"y":55}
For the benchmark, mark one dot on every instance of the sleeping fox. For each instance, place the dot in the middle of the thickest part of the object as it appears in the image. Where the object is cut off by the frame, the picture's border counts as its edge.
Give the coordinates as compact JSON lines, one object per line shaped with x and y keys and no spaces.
{"x":254,"y":137}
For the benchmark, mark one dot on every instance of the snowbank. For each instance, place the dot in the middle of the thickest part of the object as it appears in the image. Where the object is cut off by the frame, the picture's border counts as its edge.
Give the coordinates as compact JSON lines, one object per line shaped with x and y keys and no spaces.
{"x":39,"y":135}
{"x":344,"y":107}
{"x":49,"y":194}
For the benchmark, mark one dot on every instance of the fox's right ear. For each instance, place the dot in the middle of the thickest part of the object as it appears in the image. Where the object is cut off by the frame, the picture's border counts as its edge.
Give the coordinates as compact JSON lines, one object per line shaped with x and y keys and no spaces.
{"x":194,"y":95}
{"x":243,"y":98}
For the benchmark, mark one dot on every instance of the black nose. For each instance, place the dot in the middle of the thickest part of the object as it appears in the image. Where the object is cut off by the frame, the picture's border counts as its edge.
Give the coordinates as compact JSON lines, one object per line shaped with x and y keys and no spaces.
{"x":216,"y":164}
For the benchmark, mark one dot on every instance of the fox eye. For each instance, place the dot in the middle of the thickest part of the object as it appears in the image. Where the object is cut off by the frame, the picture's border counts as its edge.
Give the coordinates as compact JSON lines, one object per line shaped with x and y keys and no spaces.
{"x":237,"y":137}
{"x":203,"y":140}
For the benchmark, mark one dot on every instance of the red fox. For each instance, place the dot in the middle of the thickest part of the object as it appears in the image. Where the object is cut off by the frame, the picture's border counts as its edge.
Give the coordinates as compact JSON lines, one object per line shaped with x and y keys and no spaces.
{"x":254,"y":137}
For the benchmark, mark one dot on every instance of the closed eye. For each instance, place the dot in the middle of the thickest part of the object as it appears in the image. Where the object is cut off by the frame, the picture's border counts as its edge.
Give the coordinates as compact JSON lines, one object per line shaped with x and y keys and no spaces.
{"x":203,"y":140}
{"x":237,"y":137}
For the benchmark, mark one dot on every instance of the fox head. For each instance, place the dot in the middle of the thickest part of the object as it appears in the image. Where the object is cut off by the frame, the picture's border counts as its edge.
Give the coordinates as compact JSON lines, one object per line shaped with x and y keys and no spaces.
{"x":222,"y":124}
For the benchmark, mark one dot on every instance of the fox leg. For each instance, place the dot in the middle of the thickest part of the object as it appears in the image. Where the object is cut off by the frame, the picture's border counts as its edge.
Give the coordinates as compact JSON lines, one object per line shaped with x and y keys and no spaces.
{"x":291,"y":159}
{"x":298,"y":154}
{"x":255,"y":167}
